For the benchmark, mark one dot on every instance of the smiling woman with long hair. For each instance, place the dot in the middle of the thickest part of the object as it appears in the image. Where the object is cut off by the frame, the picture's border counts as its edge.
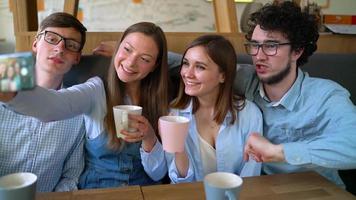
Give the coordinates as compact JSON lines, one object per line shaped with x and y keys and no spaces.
{"x":220,"y":122}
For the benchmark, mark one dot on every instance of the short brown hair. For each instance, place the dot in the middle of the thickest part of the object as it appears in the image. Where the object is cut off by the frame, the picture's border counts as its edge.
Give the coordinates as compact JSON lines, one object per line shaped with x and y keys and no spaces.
{"x":64,"y":20}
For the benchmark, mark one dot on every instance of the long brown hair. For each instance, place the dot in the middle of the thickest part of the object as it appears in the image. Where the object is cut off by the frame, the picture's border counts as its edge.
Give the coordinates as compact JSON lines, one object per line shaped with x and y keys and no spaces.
{"x":154,"y":88}
{"x":221,"y":51}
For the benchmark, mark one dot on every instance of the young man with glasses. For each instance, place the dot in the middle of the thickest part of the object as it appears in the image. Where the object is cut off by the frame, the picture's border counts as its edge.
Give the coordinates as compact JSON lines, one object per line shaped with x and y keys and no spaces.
{"x":309,"y":123}
{"x":53,"y":151}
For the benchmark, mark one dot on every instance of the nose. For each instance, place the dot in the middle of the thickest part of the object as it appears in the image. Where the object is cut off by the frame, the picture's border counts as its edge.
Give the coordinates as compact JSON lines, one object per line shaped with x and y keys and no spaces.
{"x":60,"y":47}
{"x":130,"y":60}
{"x":187,"y":71}
{"x":260,"y":54}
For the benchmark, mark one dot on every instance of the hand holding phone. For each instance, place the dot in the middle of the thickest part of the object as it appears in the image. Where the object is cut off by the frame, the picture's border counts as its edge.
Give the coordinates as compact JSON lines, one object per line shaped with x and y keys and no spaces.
{"x":17,"y":72}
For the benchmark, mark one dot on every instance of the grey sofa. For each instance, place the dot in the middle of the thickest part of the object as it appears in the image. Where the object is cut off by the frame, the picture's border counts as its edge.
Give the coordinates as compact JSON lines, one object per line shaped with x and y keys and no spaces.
{"x":338,"y":67}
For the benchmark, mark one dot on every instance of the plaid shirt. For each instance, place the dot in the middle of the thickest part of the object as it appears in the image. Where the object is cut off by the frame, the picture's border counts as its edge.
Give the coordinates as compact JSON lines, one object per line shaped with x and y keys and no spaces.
{"x":53,"y":151}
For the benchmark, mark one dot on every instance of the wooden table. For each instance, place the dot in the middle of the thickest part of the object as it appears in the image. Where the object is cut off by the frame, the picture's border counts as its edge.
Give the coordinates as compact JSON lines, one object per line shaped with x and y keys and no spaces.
{"x":122,"y":193}
{"x":301,"y":186}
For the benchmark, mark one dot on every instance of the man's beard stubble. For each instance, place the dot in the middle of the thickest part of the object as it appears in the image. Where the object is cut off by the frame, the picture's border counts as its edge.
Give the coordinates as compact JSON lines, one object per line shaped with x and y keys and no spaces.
{"x":277,"y":77}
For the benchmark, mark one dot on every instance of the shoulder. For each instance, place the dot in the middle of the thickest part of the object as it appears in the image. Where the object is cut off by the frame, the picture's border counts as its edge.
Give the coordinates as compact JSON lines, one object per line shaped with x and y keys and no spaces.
{"x":251,"y":109}
{"x":322,"y":88}
{"x":249,"y":114}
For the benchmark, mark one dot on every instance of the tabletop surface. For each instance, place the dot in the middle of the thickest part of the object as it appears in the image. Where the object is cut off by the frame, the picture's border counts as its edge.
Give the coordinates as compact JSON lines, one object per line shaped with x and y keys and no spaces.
{"x":309,"y":185}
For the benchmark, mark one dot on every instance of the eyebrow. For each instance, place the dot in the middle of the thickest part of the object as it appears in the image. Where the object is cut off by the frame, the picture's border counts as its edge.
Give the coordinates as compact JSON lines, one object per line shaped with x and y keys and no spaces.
{"x":144,"y":54}
{"x":198,"y":62}
{"x":266,"y":41}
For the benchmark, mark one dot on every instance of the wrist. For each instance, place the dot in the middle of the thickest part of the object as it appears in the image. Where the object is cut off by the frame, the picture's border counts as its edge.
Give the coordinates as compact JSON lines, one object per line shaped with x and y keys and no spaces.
{"x":148,"y":143}
{"x":279,"y":154}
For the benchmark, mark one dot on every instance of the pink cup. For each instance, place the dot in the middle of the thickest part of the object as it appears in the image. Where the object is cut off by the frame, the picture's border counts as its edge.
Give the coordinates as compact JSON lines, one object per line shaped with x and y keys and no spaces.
{"x":173,"y":130}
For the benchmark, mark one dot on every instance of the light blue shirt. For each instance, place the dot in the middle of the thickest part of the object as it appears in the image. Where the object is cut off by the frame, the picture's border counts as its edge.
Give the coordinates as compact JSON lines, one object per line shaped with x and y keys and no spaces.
{"x":315,"y":121}
{"x":229,"y":146}
{"x":53,"y":151}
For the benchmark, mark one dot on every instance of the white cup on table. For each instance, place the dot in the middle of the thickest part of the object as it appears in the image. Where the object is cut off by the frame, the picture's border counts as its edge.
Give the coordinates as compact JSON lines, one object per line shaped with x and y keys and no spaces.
{"x":222,"y":185}
{"x":18,"y":186}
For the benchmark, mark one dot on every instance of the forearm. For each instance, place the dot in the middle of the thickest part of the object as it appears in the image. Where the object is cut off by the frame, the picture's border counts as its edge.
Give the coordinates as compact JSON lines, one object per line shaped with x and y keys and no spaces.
{"x":331,"y":154}
{"x":148,"y":143}
{"x":182,"y":163}
{"x":154,"y":162}
{"x":70,"y":175}
{"x":51,"y":105}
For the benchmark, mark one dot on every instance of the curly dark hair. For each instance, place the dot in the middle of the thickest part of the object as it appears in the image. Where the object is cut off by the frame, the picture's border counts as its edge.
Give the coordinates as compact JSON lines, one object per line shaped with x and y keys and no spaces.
{"x":300,"y":28}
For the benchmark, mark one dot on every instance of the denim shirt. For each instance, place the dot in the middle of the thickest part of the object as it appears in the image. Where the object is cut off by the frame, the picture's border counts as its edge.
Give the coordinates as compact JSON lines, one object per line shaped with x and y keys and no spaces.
{"x":229,"y":148}
{"x":108,"y":168}
{"x":315,"y":121}
{"x":104,"y":167}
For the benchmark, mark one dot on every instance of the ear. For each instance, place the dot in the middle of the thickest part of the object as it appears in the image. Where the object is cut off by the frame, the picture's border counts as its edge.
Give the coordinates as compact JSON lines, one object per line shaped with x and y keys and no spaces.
{"x":222,"y":77}
{"x":77,"y":59}
{"x":34,"y":46}
{"x":296,"y":54}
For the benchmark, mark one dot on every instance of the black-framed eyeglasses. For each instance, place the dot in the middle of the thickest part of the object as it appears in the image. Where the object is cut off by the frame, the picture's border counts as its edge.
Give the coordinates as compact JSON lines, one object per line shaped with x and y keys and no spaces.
{"x":55,"y":38}
{"x":269,"y":48}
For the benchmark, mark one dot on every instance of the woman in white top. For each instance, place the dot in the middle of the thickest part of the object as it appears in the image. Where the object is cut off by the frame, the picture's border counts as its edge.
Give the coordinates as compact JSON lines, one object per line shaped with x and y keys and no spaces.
{"x":220,"y":121}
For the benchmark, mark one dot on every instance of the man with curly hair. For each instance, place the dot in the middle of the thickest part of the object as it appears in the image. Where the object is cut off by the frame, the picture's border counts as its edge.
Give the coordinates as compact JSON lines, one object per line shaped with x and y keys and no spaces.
{"x":309,"y":123}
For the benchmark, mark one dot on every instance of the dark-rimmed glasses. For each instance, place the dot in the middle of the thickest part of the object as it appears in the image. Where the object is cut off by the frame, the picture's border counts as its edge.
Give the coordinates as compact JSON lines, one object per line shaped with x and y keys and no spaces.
{"x":55,"y":38}
{"x":268,"y":48}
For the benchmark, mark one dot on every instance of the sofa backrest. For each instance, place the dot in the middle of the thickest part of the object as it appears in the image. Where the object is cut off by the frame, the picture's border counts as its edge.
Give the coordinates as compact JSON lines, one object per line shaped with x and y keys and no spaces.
{"x":340,"y":68}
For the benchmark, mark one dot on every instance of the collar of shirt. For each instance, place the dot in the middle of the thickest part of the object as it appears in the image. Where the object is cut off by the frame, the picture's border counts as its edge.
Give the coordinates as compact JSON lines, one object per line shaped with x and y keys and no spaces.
{"x":289,"y":99}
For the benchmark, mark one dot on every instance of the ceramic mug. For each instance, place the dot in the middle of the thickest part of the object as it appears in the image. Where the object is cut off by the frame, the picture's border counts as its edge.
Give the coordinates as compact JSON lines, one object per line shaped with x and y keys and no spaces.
{"x":18,"y":186}
{"x":222,"y":185}
{"x":173,"y":131}
{"x":121,"y":117}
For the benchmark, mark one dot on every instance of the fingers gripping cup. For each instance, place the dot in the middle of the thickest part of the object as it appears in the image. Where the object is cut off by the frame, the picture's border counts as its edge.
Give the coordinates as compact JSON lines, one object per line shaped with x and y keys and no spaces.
{"x":121,"y":117}
{"x":173,"y":131}
{"x":222,"y":185}
{"x":18,"y":186}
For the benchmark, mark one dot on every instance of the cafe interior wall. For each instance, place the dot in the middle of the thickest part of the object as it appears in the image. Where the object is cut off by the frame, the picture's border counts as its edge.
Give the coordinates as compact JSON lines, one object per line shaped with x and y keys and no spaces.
{"x":171,"y":15}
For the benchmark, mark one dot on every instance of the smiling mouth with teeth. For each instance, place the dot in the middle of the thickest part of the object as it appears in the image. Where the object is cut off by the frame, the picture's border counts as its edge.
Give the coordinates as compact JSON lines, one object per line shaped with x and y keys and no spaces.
{"x":127,"y":70}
